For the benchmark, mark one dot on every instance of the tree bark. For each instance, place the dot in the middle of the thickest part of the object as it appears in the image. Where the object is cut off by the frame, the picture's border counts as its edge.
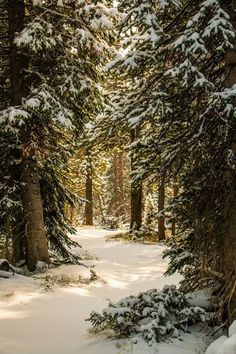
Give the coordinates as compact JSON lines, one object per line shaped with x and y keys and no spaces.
{"x":175,"y":193}
{"x":136,"y":193}
{"x":8,"y":235}
{"x":31,"y":196}
{"x":161,"y":207}
{"x":117,"y":203}
{"x":18,"y":62}
{"x":89,"y":189}
{"x":18,"y":239}
{"x":120,"y":182}
{"x":33,"y":215}
{"x":230,"y":236}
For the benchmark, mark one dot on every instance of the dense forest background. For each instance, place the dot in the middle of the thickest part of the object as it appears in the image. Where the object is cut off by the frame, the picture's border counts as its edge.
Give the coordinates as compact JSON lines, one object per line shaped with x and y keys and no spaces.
{"x":121,"y":116}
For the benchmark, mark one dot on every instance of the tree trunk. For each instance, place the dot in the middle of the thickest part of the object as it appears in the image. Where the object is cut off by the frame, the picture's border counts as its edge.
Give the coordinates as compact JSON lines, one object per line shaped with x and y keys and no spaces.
{"x":89,"y":189}
{"x":113,"y":207}
{"x":117,"y":203}
{"x":18,"y":239}
{"x":230,"y":236}
{"x":161,"y":207}
{"x":175,"y":193}
{"x":136,"y":206}
{"x":18,"y":62}
{"x":8,"y":235}
{"x":33,"y":215}
{"x":72,"y":214}
{"x":136,"y":193}
{"x":17,"y":227}
{"x":31,"y":197}
{"x":101,"y":209}
{"x":120,"y":183}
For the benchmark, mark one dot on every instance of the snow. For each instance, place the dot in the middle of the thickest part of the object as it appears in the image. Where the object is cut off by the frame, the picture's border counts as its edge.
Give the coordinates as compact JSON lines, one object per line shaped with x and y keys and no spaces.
{"x":215,"y":347}
{"x":37,"y":2}
{"x":223,"y":344}
{"x":35,"y":321}
{"x":200,"y":298}
{"x":232,"y":329}
{"x":13,"y":115}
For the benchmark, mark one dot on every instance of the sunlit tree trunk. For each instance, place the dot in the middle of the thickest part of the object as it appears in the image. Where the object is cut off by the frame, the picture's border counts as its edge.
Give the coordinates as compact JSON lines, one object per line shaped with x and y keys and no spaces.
{"x":89,"y":189}
{"x":120,"y":177}
{"x":118,"y":199}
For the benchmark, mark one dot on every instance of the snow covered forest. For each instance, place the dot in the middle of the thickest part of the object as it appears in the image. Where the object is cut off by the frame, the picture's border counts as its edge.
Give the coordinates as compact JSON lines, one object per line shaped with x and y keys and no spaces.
{"x":117,"y":176}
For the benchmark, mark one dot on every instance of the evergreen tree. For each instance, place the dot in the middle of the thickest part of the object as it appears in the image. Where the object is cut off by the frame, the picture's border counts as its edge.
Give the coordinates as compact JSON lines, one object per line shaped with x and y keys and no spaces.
{"x":178,"y":71}
{"x":54,"y":63}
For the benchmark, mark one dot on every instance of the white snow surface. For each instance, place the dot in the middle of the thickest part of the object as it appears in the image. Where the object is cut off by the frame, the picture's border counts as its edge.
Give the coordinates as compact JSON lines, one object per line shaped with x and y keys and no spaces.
{"x":223,"y":344}
{"x":33,"y":321}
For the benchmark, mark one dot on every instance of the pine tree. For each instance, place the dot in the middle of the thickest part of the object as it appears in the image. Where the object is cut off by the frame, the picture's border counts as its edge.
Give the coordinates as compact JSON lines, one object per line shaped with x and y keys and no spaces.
{"x":178,"y":69}
{"x":55,"y":67}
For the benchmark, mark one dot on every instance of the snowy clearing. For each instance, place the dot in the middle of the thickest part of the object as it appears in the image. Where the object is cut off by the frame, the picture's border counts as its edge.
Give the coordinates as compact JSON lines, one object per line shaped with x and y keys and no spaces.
{"x":35,"y":321}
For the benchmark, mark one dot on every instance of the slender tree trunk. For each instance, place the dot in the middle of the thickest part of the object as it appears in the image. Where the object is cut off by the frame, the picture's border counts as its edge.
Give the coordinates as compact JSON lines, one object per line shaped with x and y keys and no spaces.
{"x":31,"y":197}
{"x":136,"y":194}
{"x":72,"y":213}
{"x":101,"y":209}
{"x":114,"y":206}
{"x":230,"y":237}
{"x":120,"y":182}
{"x":8,"y":236}
{"x":89,"y":190}
{"x":175,"y":193}
{"x":136,"y":206}
{"x":161,"y":207}
{"x":118,"y":200}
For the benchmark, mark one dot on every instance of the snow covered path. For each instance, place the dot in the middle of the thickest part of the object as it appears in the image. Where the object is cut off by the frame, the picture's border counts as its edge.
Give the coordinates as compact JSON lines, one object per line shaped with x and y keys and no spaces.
{"x":36,"y":322}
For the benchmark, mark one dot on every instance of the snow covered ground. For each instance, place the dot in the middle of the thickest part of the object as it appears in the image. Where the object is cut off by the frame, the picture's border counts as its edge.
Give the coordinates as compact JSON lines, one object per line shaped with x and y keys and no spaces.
{"x":35,"y":321}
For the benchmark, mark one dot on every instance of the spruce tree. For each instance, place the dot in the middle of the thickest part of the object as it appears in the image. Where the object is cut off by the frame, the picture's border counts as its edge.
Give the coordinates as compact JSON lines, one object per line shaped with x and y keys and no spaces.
{"x":179,"y":64}
{"x":53,"y":68}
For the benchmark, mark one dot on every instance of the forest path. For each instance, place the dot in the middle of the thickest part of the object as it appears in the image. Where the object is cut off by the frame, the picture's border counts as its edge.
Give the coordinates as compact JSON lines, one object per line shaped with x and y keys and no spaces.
{"x":36,"y":322}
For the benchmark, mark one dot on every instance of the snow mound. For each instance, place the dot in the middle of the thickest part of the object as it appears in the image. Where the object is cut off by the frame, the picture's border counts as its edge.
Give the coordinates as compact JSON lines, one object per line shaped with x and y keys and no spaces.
{"x":224,"y":345}
{"x":232,"y":329}
{"x":215,"y":347}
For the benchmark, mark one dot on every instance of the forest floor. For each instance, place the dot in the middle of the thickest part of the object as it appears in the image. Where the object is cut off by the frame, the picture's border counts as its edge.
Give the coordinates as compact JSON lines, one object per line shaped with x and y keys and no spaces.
{"x":46,"y":315}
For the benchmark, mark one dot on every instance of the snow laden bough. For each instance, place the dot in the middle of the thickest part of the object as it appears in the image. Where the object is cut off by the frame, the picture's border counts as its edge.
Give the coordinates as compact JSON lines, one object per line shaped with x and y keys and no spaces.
{"x":153,"y":315}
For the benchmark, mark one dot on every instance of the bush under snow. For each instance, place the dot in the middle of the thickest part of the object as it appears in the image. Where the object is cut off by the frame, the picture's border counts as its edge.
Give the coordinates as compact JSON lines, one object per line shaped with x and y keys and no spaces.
{"x":154,"y":315}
